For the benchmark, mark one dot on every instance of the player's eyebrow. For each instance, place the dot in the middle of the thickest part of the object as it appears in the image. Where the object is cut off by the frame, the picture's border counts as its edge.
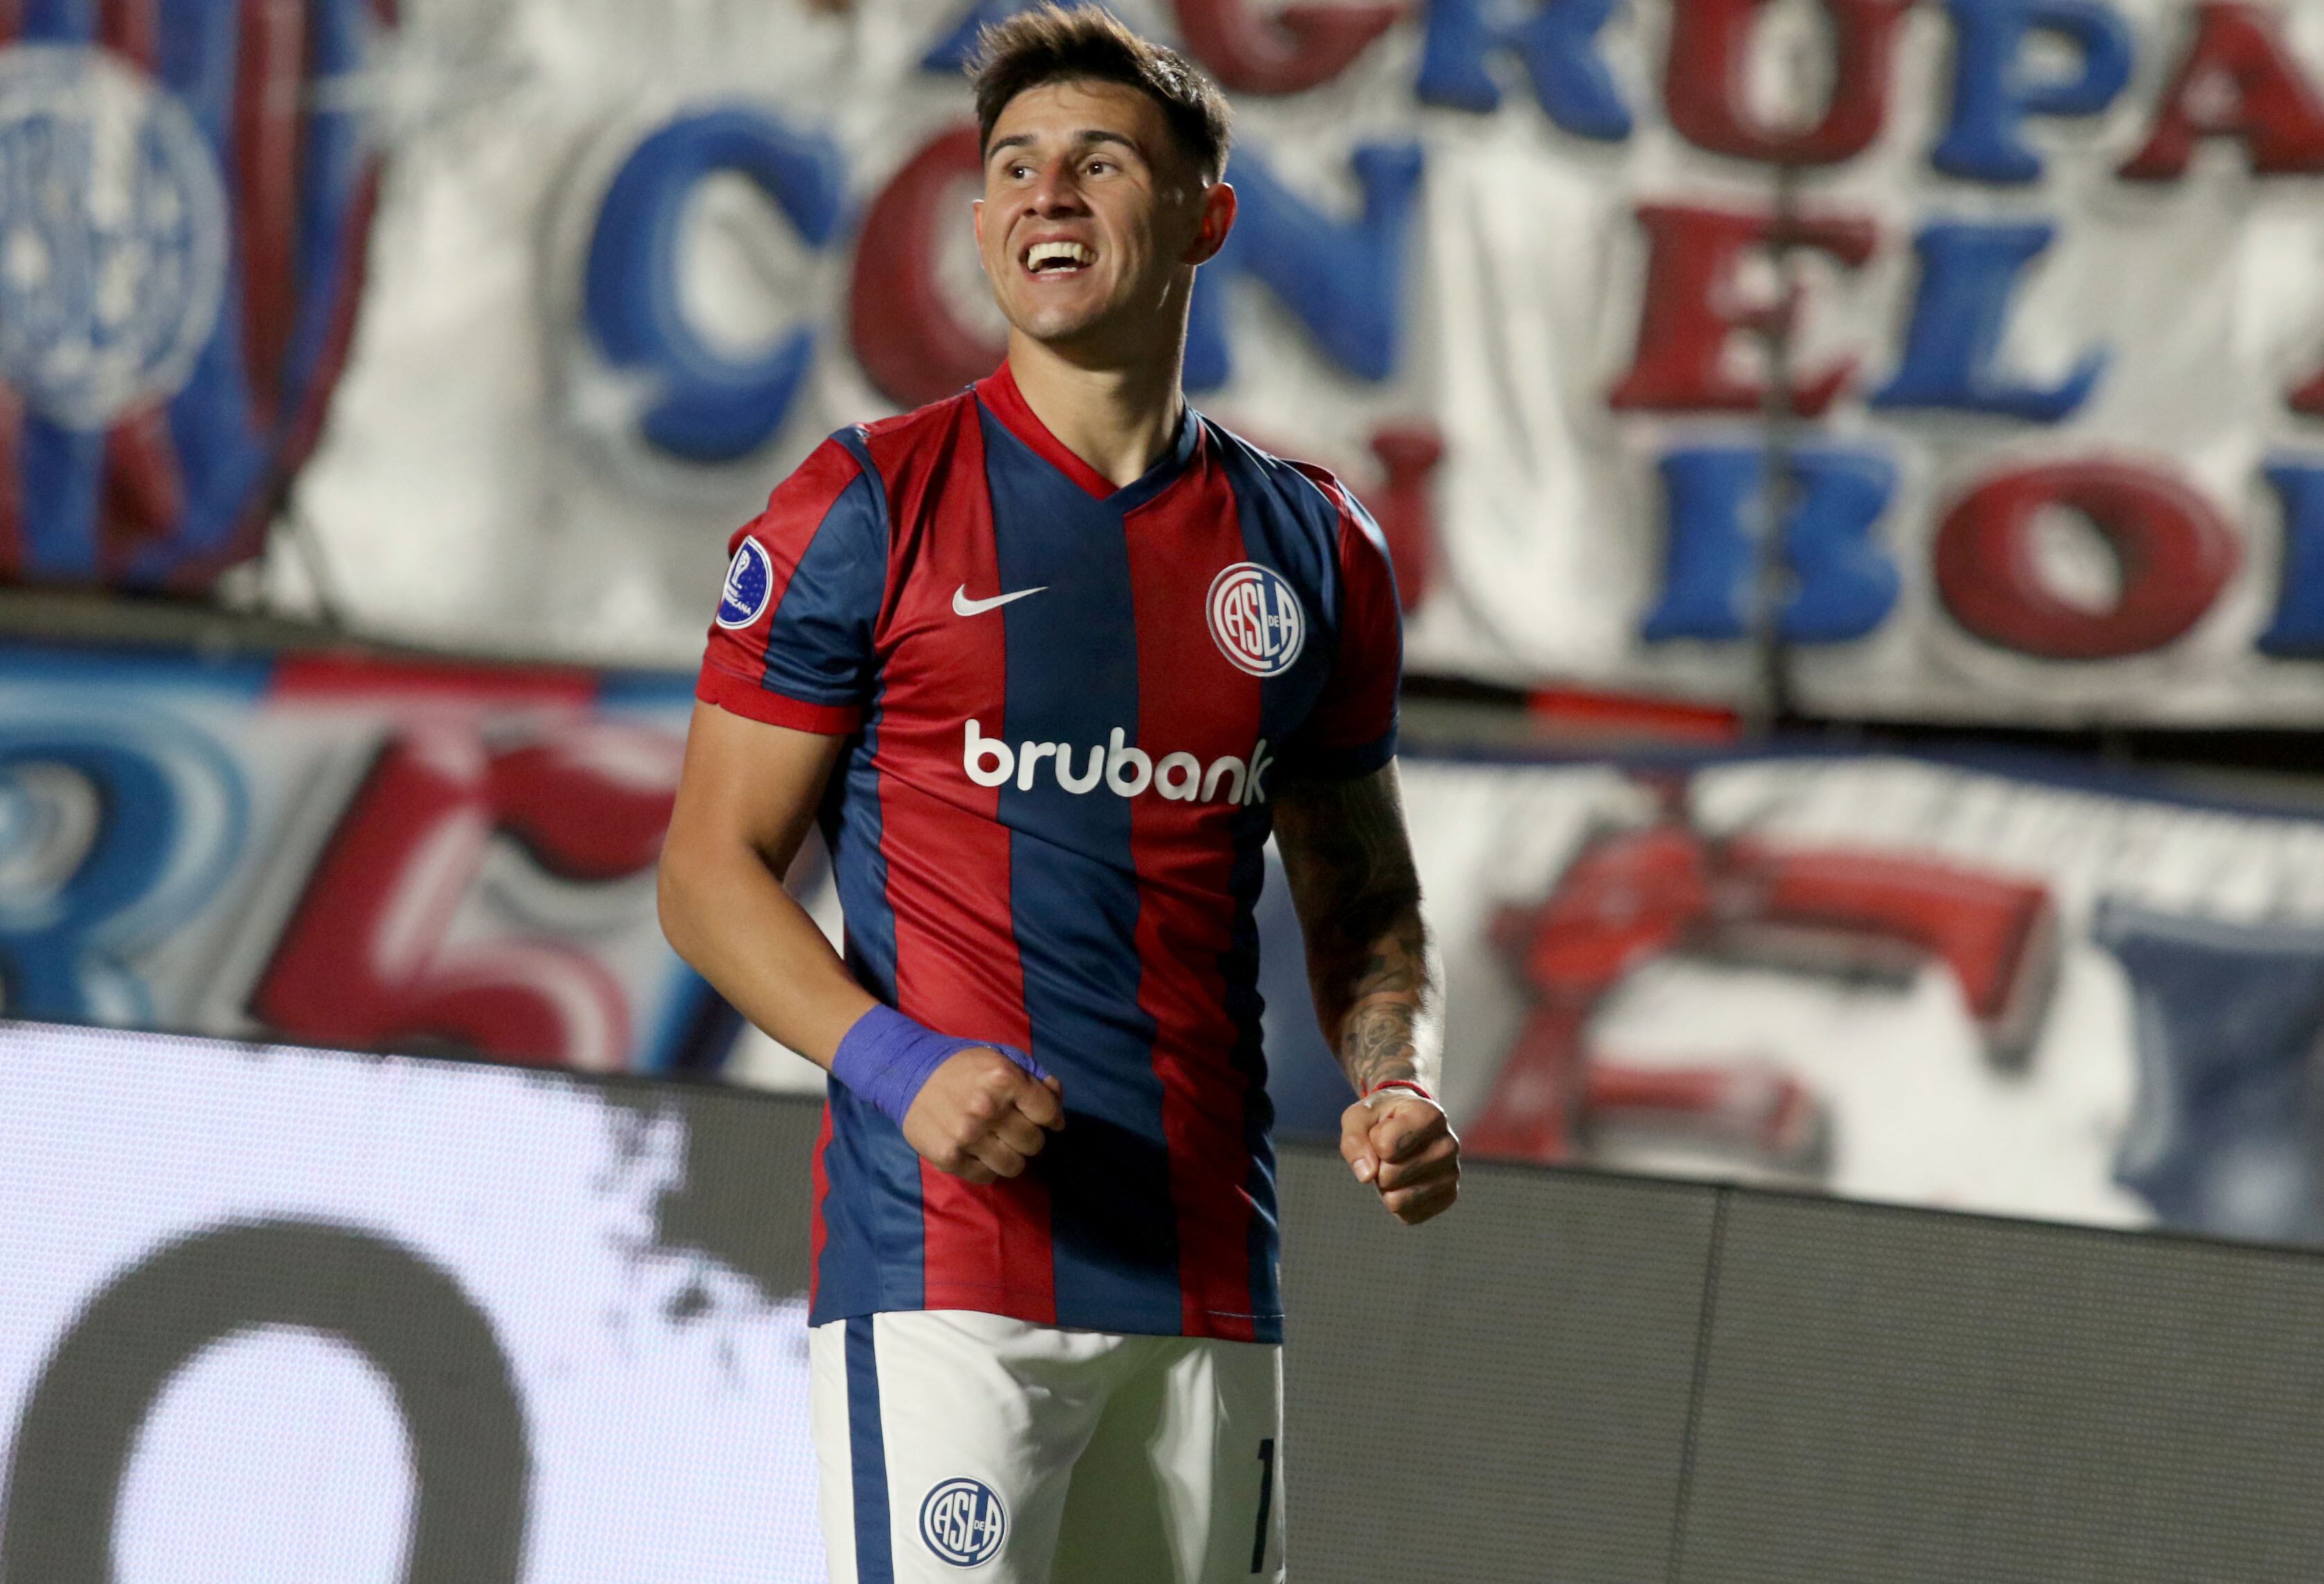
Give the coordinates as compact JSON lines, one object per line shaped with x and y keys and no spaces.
{"x":1086,"y":138}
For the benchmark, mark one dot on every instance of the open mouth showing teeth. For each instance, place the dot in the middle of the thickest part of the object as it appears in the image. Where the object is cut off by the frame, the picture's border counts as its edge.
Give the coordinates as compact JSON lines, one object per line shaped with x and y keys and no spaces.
{"x":1046,"y":258}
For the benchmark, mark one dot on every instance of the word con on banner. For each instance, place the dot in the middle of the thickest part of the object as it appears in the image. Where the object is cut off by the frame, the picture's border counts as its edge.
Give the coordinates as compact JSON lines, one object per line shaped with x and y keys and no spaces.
{"x":2229,"y":76}
{"x":1342,"y":277}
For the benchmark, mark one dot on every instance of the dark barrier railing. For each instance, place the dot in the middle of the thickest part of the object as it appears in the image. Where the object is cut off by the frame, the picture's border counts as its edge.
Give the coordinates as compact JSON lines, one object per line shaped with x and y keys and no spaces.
{"x":1572,"y":1377}
{"x":1602,"y":1380}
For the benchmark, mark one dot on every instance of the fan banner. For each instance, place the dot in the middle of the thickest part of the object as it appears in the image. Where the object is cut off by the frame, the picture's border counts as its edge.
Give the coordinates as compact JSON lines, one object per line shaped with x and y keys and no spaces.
{"x":1981,"y":987}
{"x":359,"y":852}
{"x":186,"y":197}
{"x":1986,"y":986}
{"x":2009,"y":310}
{"x":2001,"y":319}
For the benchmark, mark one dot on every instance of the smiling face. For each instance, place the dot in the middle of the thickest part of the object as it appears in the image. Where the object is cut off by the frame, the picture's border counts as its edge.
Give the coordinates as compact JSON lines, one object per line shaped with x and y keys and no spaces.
{"x":1093,"y":220}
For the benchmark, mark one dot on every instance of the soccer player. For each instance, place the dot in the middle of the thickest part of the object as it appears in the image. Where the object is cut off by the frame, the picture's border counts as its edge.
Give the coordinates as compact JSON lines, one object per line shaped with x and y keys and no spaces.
{"x":1047,"y":661}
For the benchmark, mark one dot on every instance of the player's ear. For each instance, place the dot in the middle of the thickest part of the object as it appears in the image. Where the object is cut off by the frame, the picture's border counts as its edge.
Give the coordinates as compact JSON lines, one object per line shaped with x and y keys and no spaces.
{"x":976,"y":218}
{"x":1217,"y":220}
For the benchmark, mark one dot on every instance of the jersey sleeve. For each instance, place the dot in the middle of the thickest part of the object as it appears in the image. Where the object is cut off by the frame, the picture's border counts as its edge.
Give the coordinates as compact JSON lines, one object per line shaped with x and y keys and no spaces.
{"x":792,"y":642}
{"x":1352,"y":730}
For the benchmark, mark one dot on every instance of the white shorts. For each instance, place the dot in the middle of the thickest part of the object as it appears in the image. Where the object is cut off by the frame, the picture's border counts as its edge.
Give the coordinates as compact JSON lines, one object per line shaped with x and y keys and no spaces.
{"x":952,"y":1443}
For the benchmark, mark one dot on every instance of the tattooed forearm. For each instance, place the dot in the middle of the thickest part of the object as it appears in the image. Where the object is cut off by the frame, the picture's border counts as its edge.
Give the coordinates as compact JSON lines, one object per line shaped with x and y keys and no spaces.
{"x":1378,"y":1042}
{"x":1370,"y":961}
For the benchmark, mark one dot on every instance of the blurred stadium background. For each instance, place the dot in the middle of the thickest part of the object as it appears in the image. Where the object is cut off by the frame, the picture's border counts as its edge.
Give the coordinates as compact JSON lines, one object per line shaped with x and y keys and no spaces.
{"x":1856,"y":474}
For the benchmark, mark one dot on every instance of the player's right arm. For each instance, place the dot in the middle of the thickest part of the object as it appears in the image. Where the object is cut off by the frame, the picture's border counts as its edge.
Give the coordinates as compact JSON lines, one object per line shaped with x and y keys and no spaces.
{"x":790,"y":666}
{"x":745,"y":797}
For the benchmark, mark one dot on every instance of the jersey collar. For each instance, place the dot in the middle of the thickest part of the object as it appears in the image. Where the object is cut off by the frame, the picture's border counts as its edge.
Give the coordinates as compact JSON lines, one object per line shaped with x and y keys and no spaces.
{"x":1002,"y":399}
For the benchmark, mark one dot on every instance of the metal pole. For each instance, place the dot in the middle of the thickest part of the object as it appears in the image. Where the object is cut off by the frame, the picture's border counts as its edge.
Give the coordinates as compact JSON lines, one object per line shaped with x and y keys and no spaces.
{"x":1767,"y":691}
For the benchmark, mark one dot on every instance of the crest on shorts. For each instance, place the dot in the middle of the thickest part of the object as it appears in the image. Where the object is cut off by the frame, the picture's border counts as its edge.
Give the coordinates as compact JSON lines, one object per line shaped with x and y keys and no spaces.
{"x":749,"y":578}
{"x":963,"y":1522}
{"x":1255,"y":619}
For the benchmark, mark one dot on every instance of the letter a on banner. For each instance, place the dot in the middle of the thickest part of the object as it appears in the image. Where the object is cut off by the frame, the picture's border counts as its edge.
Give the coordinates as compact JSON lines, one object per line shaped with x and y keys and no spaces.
{"x":2239,"y":80}
{"x":1993,"y":91}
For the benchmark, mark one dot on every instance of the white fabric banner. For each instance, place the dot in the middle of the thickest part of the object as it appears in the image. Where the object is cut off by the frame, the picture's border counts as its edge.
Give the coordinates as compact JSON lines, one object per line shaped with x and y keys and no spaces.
{"x":1943,"y":984}
{"x":2058,"y":338}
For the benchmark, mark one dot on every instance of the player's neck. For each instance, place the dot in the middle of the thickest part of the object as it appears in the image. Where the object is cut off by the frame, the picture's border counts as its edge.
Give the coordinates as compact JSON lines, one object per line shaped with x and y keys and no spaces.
{"x":1119,"y":419}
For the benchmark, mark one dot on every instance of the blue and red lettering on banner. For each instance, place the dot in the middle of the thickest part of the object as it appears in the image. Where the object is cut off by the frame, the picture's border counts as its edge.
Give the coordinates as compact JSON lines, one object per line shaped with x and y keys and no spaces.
{"x":2003,"y":985}
{"x":1951,"y":449}
{"x":1466,"y":263}
{"x":2234,"y":81}
{"x":346,"y":853}
{"x":185,"y":196}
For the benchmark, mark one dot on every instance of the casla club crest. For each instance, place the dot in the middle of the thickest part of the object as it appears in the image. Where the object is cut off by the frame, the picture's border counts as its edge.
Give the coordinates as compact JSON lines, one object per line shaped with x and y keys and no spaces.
{"x":183,"y":207}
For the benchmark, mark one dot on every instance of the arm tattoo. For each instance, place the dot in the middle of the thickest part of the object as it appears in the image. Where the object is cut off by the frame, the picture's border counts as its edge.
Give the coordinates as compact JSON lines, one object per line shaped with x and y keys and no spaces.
{"x":1370,"y":961}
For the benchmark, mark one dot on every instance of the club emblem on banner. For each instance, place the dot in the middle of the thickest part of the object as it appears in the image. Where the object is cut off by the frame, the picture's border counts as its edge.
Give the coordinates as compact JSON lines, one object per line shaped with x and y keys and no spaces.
{"x":106,"y":302}
{"x":182,"y":211}
{"x":1255,"y":619}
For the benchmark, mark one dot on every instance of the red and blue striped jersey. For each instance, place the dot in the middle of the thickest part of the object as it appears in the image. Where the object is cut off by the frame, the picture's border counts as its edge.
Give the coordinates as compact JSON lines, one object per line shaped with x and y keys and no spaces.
{"x":1066,"y":707}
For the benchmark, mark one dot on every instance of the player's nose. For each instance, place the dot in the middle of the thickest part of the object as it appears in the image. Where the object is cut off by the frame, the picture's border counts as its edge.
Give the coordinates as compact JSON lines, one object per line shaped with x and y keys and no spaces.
{"x":1059,"y":191}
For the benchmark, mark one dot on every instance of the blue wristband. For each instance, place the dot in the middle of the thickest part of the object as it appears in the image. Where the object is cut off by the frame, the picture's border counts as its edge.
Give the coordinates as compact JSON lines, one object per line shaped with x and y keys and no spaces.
{"x":885,"y":1057}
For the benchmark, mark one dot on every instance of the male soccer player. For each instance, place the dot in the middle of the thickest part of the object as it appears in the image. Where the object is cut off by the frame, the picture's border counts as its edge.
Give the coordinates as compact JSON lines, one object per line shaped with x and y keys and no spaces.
{"x":1048,"y":660}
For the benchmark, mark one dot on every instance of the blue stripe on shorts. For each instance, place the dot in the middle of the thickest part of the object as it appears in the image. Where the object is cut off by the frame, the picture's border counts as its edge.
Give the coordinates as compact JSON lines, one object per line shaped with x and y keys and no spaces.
{"x":875,"y":1561}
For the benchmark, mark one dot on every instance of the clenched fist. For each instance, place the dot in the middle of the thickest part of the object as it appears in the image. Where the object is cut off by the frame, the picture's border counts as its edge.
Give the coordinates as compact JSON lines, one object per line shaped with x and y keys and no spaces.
{"x":982,"y":1116}
{"x":1403,"y":1147}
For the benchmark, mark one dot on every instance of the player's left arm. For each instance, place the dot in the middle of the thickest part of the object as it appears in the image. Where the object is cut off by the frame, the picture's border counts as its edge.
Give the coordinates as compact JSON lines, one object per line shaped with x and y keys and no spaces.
{"x":1376,"y":979}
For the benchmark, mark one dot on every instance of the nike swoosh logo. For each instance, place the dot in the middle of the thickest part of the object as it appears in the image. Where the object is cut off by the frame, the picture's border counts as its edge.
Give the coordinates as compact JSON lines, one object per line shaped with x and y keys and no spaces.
{"x":961,"y":606}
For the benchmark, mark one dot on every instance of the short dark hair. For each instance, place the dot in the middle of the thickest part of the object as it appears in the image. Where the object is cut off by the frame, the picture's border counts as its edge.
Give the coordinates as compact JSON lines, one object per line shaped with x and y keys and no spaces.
{"x":1052,"y":44}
